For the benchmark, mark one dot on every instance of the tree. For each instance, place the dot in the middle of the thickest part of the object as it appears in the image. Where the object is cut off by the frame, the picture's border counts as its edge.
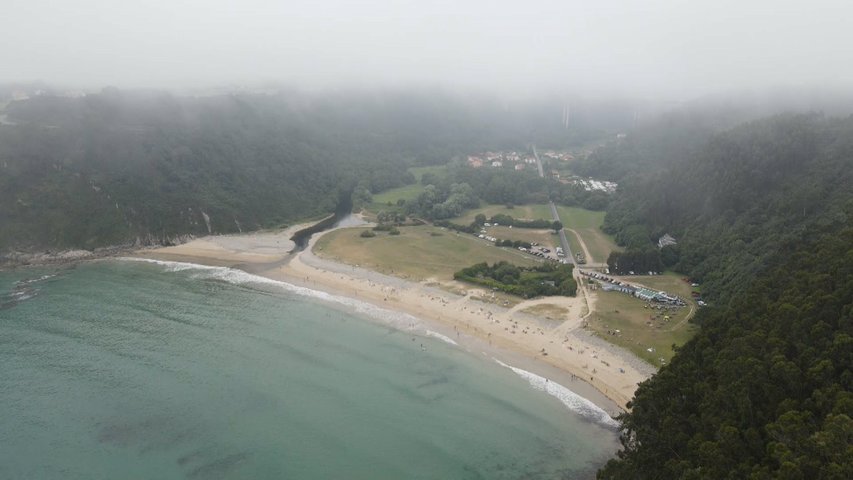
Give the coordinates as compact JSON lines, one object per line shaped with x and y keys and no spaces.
{"x":480,"y":219}
{"x":557,"y":226}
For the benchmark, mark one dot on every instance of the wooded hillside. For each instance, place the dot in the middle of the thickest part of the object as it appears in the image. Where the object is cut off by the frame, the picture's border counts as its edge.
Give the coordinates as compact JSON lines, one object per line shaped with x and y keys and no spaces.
{"x":762,"y":217}
{"x":126,"y":166}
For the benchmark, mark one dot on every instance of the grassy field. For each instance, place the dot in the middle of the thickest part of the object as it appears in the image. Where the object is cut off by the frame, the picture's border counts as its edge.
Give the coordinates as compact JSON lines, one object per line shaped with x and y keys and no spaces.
{"x":418,"y":172}
{"x":586,"y":222}
{"x":642,"y":328}
{"x":406,"y":192}
{"x":417,"y":253}
{"x":382,"y":200}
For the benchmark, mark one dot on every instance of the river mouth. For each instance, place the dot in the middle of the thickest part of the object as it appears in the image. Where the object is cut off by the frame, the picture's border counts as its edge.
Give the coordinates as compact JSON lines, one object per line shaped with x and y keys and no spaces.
{"x":302,"y":237}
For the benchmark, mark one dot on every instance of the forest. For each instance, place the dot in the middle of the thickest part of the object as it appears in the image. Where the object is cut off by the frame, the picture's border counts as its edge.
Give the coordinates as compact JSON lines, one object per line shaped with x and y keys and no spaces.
{"x":145,"y":167}
{"x":765,"y":390}
{"x":732,"y":202}
{"x":761,"y":212}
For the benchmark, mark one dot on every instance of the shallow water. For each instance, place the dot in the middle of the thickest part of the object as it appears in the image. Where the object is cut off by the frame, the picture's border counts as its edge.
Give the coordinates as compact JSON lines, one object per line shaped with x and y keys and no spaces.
{"x":120,"y":369}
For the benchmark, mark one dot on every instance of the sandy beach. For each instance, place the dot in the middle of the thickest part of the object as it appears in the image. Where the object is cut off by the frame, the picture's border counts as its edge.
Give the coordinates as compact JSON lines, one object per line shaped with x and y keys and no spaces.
{"x":560,"y":349}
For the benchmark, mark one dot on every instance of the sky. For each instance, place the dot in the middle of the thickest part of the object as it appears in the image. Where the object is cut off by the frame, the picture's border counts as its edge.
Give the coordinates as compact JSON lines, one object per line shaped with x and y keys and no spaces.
{"x":665,"y":48}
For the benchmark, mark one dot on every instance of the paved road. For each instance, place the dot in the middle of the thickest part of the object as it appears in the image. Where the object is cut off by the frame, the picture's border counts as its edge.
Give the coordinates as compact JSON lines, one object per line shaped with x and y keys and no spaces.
{"x":563,"y":240}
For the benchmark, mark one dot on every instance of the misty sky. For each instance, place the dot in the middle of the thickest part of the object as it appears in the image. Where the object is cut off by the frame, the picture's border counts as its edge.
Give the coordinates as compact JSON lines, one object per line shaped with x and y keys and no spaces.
{"x":649,"y":47}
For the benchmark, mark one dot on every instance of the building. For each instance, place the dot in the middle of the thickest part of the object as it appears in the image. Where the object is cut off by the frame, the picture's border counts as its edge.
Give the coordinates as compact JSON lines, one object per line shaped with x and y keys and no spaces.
{"x":666,"y":241}
{"x":519,"y":166}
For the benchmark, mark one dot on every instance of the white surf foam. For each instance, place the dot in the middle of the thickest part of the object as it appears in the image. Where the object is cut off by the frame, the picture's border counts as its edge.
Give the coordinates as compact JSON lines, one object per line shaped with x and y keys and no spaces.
{"x":34,"y":280}
{"x":441,"y":337}
{"x":402,"y":321}
{"x":570,"y":399}
{"x":398,"y":320}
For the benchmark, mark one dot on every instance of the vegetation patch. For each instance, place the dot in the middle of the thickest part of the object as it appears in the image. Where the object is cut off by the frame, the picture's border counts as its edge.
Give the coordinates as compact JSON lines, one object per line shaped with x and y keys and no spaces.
{"x":545,"y":279}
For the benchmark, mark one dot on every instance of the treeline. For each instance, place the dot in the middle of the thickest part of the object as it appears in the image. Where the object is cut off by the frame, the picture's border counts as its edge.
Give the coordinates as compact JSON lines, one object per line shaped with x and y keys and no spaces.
{"x":765,"y":389}
{"x":761,"y":213}
{"x":549,"y":278}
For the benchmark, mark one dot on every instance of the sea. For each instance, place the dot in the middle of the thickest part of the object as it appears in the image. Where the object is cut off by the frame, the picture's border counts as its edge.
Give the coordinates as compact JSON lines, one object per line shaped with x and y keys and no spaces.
{"x":130,"y":369}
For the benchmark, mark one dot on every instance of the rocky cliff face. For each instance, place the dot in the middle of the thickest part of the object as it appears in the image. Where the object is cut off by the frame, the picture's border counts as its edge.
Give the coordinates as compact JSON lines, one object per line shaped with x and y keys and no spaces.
{"x":15,"y":258}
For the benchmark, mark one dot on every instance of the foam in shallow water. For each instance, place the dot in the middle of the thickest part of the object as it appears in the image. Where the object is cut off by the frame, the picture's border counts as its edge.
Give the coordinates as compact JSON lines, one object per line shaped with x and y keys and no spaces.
{"x":239,"y":277}
{"x":441,"y":337}
{"x":121,"y":366}
{"x":570,"y":399}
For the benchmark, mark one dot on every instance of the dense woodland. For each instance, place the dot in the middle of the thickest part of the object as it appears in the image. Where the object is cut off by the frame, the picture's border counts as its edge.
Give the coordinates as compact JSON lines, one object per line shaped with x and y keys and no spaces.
{"x":733,"y":201}
{"x":762,"y":216}
{"x":765,"y":390}
{"x":144,"y":166}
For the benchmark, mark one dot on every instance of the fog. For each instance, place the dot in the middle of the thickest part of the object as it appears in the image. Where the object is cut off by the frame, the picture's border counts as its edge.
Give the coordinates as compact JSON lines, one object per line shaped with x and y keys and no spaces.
{"x":664,"y":48}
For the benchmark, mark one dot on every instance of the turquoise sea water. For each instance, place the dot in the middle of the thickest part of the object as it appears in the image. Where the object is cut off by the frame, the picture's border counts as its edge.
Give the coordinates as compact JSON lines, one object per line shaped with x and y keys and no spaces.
{"x":133,"y":370}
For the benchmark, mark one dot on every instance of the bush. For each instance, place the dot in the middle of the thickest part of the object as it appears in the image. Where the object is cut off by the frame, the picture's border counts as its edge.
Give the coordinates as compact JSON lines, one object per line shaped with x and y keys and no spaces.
{"x":394,"y":231}
{"x":367,"y":234}
{"x":527,"y":282}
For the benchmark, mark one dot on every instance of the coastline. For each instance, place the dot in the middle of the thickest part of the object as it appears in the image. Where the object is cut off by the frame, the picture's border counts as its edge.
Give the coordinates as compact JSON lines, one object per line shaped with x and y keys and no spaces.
{"x":565,"y":353}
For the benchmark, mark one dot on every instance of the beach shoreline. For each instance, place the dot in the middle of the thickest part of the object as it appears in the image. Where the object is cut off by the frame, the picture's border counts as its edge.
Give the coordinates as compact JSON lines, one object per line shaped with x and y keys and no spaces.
{"x":565,"y":353}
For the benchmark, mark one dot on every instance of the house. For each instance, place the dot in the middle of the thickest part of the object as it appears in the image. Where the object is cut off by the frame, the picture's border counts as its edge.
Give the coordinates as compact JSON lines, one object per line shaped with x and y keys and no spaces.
{"x":666,"y":241}
{"x":475,"y":162}
{"x":519,"y":166}
{"x":497,"y":163}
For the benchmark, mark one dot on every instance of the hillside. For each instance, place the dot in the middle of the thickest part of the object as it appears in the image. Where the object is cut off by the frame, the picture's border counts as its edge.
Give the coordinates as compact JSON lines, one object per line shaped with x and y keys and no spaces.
{"x":734,"y":201}
{"x":762,"y":214}
{"x":147,"y":166}
{"x":765,"y":389}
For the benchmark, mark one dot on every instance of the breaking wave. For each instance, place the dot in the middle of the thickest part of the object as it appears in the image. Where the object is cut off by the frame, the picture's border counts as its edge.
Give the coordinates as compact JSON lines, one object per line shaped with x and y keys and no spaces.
{"x":402,"y":321}
{"x":398,"y":320}
{"x":570,"y":399}
{"x":445,"y":339}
